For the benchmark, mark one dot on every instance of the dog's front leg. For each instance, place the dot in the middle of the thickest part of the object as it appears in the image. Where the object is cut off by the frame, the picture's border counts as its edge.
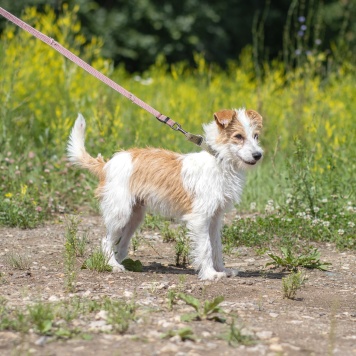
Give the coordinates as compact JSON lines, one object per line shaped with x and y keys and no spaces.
{"x":202,"y":253}
{"x":215,"y":230}
{"x":109,"y":247}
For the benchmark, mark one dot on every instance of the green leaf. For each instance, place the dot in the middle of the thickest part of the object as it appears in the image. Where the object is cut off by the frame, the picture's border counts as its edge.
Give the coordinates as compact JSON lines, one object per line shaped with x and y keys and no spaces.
{"x":184,"y":333}
{"x":87,"y":337}
{"x":131,"y":265}
{"x":212,"y":307}
{"x":193,"y":302}
{"x":285,"y":251}
{"x":189,"y":317}
{"x":46,"y":326}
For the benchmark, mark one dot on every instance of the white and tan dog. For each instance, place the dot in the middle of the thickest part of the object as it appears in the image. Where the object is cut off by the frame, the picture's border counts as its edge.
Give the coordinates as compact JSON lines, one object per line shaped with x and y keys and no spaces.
{"x":196,"y":187}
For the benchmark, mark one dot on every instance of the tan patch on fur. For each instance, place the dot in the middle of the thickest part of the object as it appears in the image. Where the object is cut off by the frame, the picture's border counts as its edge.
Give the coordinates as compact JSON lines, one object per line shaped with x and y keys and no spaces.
{"x":159,"y":171}
{"x":255,"y":118}
{"x":235,"y":127}
{"x":224,"y":117}
{"x":229,"y":133}
{"x":95,"y":166}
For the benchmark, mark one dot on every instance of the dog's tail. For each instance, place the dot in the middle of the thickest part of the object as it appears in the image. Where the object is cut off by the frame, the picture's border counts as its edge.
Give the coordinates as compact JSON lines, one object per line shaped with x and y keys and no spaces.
{"x":77,"y":153}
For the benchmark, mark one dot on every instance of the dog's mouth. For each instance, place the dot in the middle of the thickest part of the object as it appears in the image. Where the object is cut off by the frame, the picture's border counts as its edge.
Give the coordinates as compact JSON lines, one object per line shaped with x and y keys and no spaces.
{"x":251,"y":163}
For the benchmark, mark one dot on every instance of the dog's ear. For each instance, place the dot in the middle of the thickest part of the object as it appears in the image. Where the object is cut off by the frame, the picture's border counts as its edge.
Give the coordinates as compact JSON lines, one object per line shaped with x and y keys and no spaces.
{"x":224,"y":117}
{"x":255,"y":118}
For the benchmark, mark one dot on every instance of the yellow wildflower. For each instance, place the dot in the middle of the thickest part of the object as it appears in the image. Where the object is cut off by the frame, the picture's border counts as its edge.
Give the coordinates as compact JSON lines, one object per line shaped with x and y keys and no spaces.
{"x":23,"y":190}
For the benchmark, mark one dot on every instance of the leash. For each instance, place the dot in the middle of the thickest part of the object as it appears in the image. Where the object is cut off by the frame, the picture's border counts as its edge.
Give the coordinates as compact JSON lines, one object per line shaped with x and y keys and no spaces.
{"x":196,"y":139}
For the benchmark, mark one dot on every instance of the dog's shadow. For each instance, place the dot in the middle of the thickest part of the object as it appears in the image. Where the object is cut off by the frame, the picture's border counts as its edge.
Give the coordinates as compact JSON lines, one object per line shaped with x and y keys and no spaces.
{"x":156,"y":267}
{"x":262,"y":274}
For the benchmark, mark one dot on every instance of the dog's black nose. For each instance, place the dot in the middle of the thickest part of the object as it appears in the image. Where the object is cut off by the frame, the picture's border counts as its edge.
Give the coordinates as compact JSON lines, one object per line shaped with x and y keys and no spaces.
{"x":256,"y":155}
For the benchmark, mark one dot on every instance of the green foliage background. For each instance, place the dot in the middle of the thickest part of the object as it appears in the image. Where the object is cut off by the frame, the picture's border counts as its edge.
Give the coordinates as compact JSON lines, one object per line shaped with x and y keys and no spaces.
{"x":306,"y":99}
{"x":135,"y":32}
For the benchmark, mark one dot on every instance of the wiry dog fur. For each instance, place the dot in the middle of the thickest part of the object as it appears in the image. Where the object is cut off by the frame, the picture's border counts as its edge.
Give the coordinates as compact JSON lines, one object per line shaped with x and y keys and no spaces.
{"x":196,"y":187}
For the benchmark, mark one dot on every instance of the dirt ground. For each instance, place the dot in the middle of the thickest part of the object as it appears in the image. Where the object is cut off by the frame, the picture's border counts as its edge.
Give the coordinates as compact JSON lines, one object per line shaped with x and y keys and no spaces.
{"x":320,"y":321}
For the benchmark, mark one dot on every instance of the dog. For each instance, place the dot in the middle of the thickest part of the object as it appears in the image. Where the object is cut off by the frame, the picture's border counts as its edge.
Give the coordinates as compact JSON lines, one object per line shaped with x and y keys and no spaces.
{"x":198,"y":187}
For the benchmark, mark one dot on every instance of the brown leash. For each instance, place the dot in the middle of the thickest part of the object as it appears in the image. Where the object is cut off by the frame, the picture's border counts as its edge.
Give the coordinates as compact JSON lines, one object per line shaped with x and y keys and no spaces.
{"x":196,"y":139}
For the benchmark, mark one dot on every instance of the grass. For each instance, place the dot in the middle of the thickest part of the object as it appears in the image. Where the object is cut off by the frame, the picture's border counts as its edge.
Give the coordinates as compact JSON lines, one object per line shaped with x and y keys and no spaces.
{"x":235,"y":336}
{"x":56,"y":319}
{"x":292,"y":283}
{"x":70,"y":253}
{"x":98,"y":262}
{"x":183,"y":333}
{"x":309,"y":259}
{"x":209,"y":310}
{"x":76,"y":245}
{"x":17,"y":261}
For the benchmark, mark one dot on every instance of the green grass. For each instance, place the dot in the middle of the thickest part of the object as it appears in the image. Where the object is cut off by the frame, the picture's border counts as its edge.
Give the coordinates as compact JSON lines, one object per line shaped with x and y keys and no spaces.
{"x":208,"y":310}
{"x":56,"y":319}
{"x":17,"y":261}
{"x":235,"y":336}
{"x":98,"y":262}
{"x":183,"y":333}
{"x":292,"y":283}
{"x":309,"y":259}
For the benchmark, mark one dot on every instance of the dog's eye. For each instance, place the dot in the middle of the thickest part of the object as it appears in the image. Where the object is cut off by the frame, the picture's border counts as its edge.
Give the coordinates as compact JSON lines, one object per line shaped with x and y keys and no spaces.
{"x":255,"y":137}
{"x":239,"y":137}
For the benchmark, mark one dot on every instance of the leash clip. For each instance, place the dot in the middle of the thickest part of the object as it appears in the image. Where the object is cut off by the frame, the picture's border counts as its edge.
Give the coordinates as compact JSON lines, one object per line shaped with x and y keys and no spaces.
{"x":178,"y":127}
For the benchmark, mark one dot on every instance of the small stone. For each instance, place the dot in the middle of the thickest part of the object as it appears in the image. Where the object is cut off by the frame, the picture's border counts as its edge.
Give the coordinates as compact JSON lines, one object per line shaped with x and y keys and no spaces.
{"x":211,"y":345}
{"x":153,"y":335}
{"x":163,"y":285}
{"x":292,"y":347}
{"x":295,"y":322}
{"x":276,"y":347}
{"x":169,"y":348}
{"x":250,"y":260}
{"x":53,"y":298}
{"x":175,"y":338}
{"x":41,"y":341}
{"x":100,"y":325}
{"x":79,"y":348}
{"x":86,"y":293}
{"x":206,"y":334}
{"x":128,"y":294}
{"x":264,"y":335}
{"x":102,"y":314}
{"x":246,"y":332}
{"x":273,"y":315}
{"x":164,"y":323}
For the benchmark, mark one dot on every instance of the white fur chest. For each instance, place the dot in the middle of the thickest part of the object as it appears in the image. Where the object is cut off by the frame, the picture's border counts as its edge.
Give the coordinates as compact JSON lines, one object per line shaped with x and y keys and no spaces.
{"x":214,"y":185}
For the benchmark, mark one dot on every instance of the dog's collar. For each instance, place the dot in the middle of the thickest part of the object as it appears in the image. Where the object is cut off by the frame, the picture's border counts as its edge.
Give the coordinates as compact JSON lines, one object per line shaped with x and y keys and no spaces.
{"x":208,"y":148}
{"x":199,"y":141}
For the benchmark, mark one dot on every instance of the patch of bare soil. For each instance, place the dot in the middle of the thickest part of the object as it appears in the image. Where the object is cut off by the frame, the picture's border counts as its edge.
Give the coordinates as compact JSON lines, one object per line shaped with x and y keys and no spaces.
{"x":320,"y":321}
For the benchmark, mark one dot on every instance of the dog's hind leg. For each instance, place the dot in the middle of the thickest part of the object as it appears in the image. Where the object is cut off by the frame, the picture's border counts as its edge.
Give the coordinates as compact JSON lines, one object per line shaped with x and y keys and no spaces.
{"x":121,"y":247}
{"x":117,"y":240}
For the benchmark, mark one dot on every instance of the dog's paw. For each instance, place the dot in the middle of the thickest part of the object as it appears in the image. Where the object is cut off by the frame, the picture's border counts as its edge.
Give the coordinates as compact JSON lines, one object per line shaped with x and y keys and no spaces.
{"x":118,"y":268}
{"x":212,"y":275}
{"x":230,"y":272}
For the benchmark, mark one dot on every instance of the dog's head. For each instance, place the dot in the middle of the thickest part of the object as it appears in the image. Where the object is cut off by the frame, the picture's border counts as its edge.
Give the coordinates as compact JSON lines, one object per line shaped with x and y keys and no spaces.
{"x":237,"y":135}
